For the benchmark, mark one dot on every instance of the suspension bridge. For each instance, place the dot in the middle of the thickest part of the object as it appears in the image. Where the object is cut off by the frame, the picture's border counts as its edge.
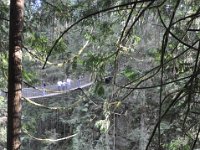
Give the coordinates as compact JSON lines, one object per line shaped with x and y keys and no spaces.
{"x":53,"y":89}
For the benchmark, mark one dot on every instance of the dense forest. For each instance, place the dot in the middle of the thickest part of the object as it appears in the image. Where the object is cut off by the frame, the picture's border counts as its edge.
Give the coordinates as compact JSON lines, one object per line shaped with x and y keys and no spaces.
{"x":137,"y":61}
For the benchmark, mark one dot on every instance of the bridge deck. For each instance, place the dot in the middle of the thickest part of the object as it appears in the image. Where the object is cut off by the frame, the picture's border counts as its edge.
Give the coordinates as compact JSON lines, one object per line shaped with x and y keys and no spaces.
{"x":50,"y":93}
{"x":52,"y":90}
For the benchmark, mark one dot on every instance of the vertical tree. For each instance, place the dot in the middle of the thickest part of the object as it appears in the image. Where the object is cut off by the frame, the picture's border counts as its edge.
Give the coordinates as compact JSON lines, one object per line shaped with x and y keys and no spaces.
{"x":15,"y":75}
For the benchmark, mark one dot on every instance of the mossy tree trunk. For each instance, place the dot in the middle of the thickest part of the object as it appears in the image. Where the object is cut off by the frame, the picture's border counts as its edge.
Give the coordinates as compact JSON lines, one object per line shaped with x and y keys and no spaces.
{"x":15,"y":75}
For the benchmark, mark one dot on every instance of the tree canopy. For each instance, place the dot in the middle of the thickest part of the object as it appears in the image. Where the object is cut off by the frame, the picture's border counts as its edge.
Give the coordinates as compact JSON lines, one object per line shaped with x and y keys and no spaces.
{"x":142,"y":55}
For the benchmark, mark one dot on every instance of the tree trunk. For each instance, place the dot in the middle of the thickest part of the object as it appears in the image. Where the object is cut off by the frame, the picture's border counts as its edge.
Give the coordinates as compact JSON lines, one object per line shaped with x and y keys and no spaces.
{"x":15,"y":75}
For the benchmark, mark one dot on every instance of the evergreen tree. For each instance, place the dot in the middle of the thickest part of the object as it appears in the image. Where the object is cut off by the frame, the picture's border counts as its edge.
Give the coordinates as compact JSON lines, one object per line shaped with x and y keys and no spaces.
{"x":15,"y":75}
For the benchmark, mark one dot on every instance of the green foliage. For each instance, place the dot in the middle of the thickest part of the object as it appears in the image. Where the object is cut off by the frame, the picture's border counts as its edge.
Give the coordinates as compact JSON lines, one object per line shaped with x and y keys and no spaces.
{"x":137,"y":39}
{"x":3,"y":103}
{"x":130,"y":73}
{"x":106,"y":28}
{"x":74,"y":63}
{"x":179,"y":143}
{"x":165,"y":126}
{"x":30,"y":77}
{"x":30,"y":126}
{"x":4,"y":29}
{"x":4,"y":69}
{"x":153,"y":52}
{"x":38,"y":42}
{"x":75,"y":68}
{"x":3,"y":130}
{"x":45,"y":22}
{"x":61,"y":46}
{"x":95,"y":63}
{"x":89,"y":36}
{"x":3,"y":135}
{"x":103,"y":125}
{"x":99,"y":89}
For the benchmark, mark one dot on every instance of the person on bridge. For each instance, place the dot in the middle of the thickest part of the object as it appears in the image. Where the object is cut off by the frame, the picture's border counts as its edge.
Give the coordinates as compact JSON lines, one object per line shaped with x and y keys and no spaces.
{"x":63,"y":86}
{"x":79,"y":82}
{"x":59,"y":84}
{"x":43,"y":88}
{"x":68,"y":84}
